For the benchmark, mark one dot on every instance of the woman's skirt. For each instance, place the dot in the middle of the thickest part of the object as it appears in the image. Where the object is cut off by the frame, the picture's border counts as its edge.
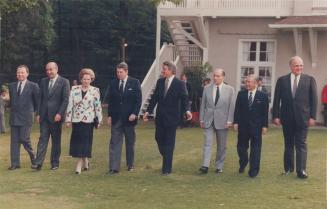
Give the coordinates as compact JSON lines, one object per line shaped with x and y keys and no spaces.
{"x":81,"y":140}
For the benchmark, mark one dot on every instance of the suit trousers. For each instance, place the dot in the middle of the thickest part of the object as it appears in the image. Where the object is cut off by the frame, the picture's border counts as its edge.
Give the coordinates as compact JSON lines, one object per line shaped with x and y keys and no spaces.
{"x":48,"y":129}
{"x":20,"y":135}
{"x":221,"y":138}
{"x":118,"y":130}
{"x":295,"y":136}
{"x":165,"y":137}
{"x":2,"y":123}
{"x":255,"y":139}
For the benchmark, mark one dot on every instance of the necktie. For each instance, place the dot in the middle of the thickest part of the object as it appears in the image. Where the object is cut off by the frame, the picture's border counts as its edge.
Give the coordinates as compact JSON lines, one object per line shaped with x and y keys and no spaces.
{"x":121,"y":87}
{"x":19,"y":91}
{"x":294,"y":86}
{"x":217,"y":95}
{"x":166,"y":86}
{"x":50,"y":84}
{"x":250,"y":100}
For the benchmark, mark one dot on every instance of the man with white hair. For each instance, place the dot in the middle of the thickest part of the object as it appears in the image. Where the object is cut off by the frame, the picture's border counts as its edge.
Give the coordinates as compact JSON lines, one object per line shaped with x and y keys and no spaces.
{"x":295,"y":107}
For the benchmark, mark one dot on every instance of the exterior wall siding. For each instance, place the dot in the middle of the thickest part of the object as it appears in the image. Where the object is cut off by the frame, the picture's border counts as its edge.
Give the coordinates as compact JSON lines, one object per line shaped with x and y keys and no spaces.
{"x":224,"y":37}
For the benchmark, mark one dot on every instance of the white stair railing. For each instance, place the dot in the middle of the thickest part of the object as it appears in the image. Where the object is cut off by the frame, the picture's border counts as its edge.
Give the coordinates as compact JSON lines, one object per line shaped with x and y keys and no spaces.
{"x":167,"y":53}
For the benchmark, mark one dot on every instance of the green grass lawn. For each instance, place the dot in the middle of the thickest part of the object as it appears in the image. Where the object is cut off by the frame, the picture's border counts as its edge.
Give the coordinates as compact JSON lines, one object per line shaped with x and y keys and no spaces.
{"x":144,"y":188}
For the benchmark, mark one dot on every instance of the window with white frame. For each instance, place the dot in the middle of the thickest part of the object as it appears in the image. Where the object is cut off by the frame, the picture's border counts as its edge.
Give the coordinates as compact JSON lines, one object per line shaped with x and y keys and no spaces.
{"x":257,"y":57}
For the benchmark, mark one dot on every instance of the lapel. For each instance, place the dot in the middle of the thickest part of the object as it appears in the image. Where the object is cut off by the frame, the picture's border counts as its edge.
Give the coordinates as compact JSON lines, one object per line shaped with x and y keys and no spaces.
{"x":173,"y":82}
{"x":289,"y":86}
{"x":25,"y":88}
{"x":255,"y":98}
{"x":299,"y":86}
{"x":87,"y":96}
{"x":15,"y":94}
{"x":127,"y":86}
{"x":46,"y":87}
{"x":210,"y":96}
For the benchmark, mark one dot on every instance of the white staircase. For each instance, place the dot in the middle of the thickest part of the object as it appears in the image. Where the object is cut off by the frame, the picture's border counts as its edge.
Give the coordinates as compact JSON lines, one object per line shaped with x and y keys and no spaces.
{"x":186,"y":37}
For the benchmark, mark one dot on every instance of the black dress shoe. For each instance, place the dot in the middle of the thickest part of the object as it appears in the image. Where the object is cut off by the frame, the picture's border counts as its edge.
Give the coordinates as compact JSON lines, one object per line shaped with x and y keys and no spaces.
{"x":36,"y":167}
{"x":219,"y":170}
{"x":165,"y":174}
{"x":130,"y":168}
{"x":302,"y":175}
{"x":288,"y":172}
{"x":113,"y":172}
{"x":13,"y":167}
{"x":241,"y":170}
{"x":253,"y":174}
{"x":204,"y":170}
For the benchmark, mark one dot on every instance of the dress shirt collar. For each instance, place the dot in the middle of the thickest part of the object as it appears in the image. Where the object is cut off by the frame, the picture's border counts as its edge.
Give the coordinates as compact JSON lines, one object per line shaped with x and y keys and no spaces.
{"x":253,"y":92}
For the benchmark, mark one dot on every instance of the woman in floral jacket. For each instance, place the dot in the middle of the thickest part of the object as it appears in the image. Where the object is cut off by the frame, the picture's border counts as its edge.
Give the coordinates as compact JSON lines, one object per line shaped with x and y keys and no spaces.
{"x":84,"y":112}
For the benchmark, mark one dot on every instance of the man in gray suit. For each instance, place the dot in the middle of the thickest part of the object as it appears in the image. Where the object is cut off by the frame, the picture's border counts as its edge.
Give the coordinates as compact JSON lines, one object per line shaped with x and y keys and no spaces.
{"x":216,"y":116}
{"x":295,"y":107}
{"x":23,"y":103}
{"x":54,"y":94}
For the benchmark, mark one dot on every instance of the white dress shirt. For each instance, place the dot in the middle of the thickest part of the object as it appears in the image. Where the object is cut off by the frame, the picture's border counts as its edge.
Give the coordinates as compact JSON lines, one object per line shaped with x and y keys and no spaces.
{"x":253,"y":94}
{"x":53,"y":81}
{"x":22,"y":86}
{"x":125,"y":80}
{"x":215,"y":91}
{"x":292,"y":80}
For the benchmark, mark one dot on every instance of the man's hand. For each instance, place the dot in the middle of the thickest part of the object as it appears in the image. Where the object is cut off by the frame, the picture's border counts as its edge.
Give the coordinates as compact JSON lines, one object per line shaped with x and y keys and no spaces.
{"x":37,"y":119}
{"x":228,"y":125}
{"x":188,"y":115}
{"x":311,"y":122}
{"x":276,"y":121}
{"x":201,"y":124}
{"x":264,"y":131}
{"x":68,"y":124}
{"x":57,"y":118}
{"x":145,"y":117}
{"x":132,"y":117}
{"x":109,"y":121}
{"x":236,"y":127}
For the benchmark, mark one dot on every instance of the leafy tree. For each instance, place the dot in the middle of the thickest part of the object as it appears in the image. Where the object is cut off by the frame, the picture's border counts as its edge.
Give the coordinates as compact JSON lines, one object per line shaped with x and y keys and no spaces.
{"x":27,"y":35}
{"x":8,"y":6}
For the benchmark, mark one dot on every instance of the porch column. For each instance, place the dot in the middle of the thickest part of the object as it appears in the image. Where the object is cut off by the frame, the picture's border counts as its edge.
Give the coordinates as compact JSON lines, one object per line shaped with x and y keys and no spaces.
{"x":298,"y":41}
{"x":313,"y":46}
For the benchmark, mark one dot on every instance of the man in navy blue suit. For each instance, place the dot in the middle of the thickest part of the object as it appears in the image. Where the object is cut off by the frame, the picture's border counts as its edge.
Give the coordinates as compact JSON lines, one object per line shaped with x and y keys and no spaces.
{"x":171,"y":96}
{"x":124,"y":102}
{"x":251,"y":121}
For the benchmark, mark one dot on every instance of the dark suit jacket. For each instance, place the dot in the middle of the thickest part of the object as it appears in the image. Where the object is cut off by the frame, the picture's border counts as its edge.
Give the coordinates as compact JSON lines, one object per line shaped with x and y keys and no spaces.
{"x":302,"y":107}
{"x":130,"y":103}
{"x":254,"y":118}
{"x":22,"y":107}
{"x":55,"y":101}
{"x":169,"y":107}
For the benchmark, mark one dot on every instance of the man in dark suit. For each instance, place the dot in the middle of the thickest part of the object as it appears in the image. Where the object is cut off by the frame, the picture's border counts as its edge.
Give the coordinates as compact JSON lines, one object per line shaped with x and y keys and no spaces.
{"x":124,"y":103}
{"x":251,"y":121}
{"x":53,"y":100}
{"x":171,"y":96}
{"x":186,"y":123}
{"x":23,"y":103}
{"x":295,"y":107}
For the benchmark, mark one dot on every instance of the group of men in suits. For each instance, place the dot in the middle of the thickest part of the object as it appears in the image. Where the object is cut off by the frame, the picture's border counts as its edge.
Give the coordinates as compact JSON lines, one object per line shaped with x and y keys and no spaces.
{"x":294,"y":107}
{"x":49,"y":102}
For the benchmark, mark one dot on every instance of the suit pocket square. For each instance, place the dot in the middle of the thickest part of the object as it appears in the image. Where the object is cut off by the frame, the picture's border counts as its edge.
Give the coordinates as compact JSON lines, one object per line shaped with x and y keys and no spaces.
{"x":130,"y":89}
